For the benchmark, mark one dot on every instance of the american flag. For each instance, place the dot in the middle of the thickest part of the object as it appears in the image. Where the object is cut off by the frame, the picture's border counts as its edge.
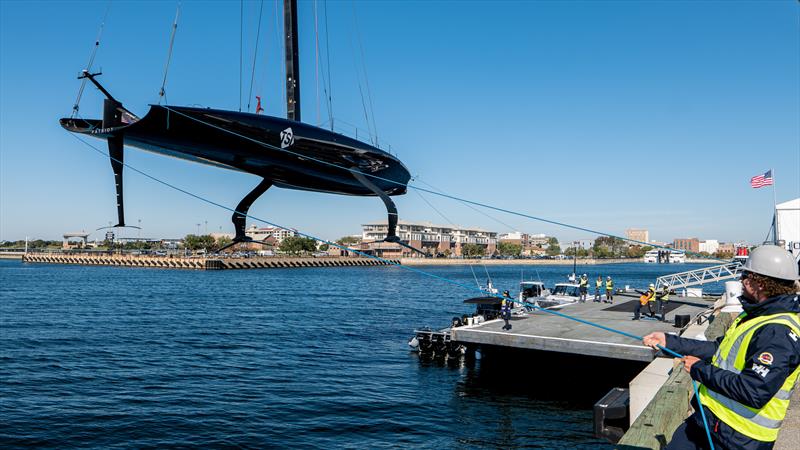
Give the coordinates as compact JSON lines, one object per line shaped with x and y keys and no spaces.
{"x":762,"y":180}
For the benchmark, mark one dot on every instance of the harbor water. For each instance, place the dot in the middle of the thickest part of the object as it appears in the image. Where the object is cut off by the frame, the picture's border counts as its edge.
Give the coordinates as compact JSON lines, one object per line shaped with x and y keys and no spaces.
{"x":108,"y":357}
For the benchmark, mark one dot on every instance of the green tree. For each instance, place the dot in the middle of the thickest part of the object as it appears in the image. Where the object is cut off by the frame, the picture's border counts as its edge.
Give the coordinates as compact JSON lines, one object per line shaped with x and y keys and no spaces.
{"x":509,"y":249}
{"x":602,"y":252}
{"x":553,"y":248}
{"x":297,"y":244}
{"x":723,"y":255}
{"x":194,"y":242}
{"x":220,"y":242}
{"x":472,"y":250}
{"x":324,"y":247}
{"x":348,"y":240}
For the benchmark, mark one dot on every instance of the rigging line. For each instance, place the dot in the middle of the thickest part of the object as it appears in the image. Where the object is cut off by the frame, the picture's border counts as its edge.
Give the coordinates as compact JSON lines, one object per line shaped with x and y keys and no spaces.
{"x":360,"y":89}
{"x":435,"y":209}
{"x":440,"y":194}
{"x":470,"y":206}
{"x":329,"y":92}
{"x":771,"y":227}
{"x":241,"y":49}
{"x":255,"y":54}
{"x":316,"y":59}
{"x":411,"y":269}
{"x":474,"y":276}
{"x":161,"y":93}
{"x":366,"y":78}
{"x":76,"y":105}
{"x":280,"y":64}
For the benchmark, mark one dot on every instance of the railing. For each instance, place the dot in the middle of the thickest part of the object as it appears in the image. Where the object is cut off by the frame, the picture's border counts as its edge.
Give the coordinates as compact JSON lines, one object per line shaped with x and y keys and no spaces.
{"x":727,"y":271}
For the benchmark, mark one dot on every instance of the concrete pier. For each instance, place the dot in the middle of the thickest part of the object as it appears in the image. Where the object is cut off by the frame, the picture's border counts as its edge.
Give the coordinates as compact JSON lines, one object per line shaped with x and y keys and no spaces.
{"x":163,"y":262}
{"x":544,"y":331}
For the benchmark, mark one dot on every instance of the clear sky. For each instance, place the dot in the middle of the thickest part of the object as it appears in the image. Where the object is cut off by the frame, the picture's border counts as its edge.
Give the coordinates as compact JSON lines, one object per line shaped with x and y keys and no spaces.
{"x":605,"y":115}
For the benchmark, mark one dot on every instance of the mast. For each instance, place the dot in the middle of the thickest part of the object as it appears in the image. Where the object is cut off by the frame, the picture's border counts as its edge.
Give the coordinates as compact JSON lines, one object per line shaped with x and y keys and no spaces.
{"x":292,"y":60}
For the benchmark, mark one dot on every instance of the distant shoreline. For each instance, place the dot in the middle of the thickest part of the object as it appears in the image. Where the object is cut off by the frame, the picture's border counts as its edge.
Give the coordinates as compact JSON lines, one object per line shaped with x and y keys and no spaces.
{"x":531,"y":262}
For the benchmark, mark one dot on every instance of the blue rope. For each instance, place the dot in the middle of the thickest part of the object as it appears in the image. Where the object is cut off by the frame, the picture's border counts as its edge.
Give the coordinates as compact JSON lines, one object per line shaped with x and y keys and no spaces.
{"x":389,"y":262}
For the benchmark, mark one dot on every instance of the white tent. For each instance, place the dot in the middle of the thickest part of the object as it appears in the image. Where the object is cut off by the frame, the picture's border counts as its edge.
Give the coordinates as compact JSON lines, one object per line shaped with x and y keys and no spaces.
{"x":787,"y":218}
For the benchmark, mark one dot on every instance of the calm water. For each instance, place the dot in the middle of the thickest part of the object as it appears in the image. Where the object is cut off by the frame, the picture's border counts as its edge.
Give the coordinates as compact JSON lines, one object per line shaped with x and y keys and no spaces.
{"x":117,"y":357}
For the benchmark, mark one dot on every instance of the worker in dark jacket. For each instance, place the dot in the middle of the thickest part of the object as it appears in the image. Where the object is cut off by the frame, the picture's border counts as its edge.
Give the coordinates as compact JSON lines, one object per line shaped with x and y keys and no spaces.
{"x":746,"y":377}
{"x":505,"y":309}
{"x":662,"y":299}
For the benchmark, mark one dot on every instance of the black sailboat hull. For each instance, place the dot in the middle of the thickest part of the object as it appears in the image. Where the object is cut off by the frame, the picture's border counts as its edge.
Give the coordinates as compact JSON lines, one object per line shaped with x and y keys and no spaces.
{"x":316,"y":159}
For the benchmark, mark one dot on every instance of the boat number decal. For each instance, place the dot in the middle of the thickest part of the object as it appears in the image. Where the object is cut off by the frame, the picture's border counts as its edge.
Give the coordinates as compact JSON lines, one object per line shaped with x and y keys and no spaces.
{"x":287,"y":138}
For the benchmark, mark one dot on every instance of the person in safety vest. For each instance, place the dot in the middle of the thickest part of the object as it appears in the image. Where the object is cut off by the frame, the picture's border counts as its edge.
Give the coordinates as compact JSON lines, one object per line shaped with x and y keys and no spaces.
{"x":662,"y":298}
{"x":609,"y":289}
{"x":598,"y":284}
{"x":505,"y":309}
{"x":646,"y":298}
{"x":746,"y":377}
{"x":583,"y":284}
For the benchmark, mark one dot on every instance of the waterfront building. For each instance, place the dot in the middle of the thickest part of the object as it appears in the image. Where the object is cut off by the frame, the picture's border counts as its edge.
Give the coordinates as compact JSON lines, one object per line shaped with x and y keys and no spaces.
{"x":687,"y":244}
{"x":532,"y":244}
{"x":726,"y":247}
{"x":75,"y":240}
{"x":709,"y":246}
{"x":637,"y":234}
{"x":274,"y":234}
{"x":426,"y":237}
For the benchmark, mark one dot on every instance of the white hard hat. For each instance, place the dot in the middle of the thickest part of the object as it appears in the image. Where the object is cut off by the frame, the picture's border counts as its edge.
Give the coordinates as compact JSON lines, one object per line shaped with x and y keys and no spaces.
{"x":609,"y":277}
{"x":652,"y":285}
{"x":772,"y":261}
{"x":585,"y":275}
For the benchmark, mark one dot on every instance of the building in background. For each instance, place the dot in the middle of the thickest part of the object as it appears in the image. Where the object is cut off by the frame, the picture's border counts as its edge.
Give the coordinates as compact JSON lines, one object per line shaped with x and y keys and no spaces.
{"x":427,"y":237}
{"x":637,"y":234}
{"x":271,"y":234}
{"x":532,"y":244}
{"x":726,"y":248}
{"x":709,"y":246}
{"x":691,"y":245}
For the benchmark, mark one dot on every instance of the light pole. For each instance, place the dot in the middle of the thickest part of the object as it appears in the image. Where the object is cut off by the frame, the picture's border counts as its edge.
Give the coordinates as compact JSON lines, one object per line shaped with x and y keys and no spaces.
{"x":198,"y":229}
{"x":206,"y":222}
{"x":140,"y":228}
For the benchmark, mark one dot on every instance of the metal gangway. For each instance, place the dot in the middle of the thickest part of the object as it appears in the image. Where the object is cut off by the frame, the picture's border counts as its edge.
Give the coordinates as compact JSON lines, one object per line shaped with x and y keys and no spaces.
{"x":712,"y":274}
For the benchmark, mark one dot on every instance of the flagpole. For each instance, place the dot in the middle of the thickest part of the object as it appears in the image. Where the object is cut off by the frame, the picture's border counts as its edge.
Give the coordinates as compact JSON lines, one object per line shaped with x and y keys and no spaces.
{"x":775,"y":211}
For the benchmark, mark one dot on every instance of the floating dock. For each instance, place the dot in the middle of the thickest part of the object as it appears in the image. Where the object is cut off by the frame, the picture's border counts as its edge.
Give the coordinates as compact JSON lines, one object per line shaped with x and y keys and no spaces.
{"x":544,"y":331}
{"x":166,"y":262}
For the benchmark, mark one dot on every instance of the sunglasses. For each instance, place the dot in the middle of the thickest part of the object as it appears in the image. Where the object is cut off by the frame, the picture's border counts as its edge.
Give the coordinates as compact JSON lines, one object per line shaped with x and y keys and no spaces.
{"x":745,"y":275}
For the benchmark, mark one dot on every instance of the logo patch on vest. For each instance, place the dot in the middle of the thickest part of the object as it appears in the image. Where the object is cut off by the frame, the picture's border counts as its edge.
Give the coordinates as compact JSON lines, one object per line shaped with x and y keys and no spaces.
{"x":793,"y":336}
{"x":761,"y":370}
{"x":765,"y":358}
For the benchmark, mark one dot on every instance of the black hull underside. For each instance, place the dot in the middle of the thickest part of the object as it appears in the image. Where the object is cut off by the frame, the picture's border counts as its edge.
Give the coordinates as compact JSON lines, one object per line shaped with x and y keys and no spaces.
{"x":317,"y":159}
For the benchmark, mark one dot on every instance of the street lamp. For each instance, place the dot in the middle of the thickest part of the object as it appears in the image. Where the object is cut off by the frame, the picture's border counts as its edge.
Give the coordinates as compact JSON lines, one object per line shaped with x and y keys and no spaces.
{"x":198,"y":229}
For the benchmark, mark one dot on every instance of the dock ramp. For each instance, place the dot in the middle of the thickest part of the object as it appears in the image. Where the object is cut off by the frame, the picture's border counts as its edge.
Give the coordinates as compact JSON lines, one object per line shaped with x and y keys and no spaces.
{"x":712,"y":274}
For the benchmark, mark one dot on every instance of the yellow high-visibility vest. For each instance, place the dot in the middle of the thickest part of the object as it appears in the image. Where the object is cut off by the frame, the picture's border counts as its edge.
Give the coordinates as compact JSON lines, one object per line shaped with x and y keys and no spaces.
{"x":761,"y":424}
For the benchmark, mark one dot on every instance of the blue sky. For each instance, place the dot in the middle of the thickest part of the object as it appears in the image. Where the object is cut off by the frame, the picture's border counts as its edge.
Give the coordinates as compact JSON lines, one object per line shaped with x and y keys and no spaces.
{"x":604,"y":115}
